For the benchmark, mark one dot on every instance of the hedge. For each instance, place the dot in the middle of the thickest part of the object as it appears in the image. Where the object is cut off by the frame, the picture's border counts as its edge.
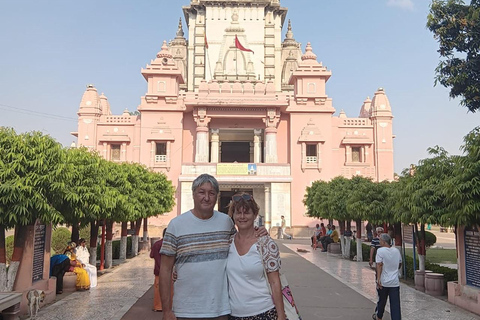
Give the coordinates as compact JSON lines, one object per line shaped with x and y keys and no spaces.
{"x":116,"y":248}
{"x":61,"y":236}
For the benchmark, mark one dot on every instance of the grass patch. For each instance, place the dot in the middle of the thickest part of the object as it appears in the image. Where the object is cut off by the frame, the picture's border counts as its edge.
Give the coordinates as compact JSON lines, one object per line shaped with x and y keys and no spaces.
{"x":435,"y":255}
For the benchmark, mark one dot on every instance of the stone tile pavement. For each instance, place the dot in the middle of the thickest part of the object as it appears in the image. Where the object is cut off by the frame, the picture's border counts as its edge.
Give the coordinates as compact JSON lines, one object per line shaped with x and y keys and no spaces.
{"x":360,"y":277}
{"x":325,"y":287}
{"x":117,"y":291}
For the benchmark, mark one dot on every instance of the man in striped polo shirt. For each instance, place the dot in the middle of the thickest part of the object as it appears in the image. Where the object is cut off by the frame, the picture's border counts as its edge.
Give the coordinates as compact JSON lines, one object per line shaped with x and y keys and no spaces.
{"x":197,"y":243}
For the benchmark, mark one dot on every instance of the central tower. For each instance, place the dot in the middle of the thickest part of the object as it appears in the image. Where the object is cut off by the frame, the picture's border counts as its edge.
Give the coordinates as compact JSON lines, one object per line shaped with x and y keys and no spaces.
{"x":214,"y":27}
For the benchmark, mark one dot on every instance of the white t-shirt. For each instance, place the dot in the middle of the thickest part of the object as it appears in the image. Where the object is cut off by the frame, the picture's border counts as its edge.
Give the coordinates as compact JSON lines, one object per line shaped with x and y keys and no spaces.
{"x":247,"y":287}
{"x":200,"y":248}
{"x":390,"y":257}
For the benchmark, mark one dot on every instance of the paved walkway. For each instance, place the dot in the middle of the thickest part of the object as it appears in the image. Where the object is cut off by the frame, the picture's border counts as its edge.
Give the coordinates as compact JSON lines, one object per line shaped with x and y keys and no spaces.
{"x":325,"y":287}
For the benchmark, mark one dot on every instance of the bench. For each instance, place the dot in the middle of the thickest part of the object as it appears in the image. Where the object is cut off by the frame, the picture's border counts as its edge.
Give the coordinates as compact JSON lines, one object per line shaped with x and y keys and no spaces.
{"x":10,"y":304}
{"x":69,"y":281}
{"x":334,"y":248}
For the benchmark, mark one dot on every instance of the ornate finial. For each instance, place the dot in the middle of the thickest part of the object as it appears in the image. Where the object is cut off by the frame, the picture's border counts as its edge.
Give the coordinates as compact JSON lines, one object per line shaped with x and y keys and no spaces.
{"x":180,"y":32}
{"x":165,"y":52}
{"x":309,"y":55}
{"x":289,"y":34}
{"x":380,"y":89}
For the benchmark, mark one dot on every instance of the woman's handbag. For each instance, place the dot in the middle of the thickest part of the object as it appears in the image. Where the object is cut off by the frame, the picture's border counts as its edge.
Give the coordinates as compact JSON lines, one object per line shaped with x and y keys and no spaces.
{"x":289,"y":305}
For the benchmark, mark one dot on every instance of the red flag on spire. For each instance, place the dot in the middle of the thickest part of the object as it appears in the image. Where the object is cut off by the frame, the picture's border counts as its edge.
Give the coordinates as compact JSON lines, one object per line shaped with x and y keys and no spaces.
{"x":239,"y":46}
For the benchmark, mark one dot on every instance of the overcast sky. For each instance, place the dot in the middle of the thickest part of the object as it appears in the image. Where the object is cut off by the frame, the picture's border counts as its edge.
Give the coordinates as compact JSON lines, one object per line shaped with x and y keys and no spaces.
{"x":50,"y":50}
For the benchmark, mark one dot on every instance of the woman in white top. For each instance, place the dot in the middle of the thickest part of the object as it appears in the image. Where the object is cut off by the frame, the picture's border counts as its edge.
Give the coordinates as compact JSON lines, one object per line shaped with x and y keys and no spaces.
{"x":83,"y":256}
{"x":249,"y":295}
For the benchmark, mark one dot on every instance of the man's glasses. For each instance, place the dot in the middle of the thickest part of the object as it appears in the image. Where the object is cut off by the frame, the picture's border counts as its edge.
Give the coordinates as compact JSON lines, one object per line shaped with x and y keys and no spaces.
{"x":245,"y":196}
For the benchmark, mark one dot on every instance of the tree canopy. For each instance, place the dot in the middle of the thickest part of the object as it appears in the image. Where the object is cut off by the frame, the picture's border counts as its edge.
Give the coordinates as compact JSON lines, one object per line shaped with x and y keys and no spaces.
{"x":456,"y":26}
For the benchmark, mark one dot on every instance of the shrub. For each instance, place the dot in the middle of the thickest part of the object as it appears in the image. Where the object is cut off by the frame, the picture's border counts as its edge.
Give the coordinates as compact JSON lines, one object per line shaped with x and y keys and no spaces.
{"x":9,"y":247}
{"x":116,"y":248}
{"x":365,"y":251}
{"x":60,"y":237}
{"x":448,"y":273}
{"x":430,"y":238}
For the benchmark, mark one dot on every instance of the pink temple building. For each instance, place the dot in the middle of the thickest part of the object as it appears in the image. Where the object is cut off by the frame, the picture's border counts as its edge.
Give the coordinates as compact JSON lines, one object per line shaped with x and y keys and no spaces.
{"x":260,"y":122}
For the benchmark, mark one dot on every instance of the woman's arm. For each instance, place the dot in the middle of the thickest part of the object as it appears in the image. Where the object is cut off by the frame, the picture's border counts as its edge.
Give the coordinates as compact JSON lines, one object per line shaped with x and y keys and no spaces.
{"x":275,"y":284}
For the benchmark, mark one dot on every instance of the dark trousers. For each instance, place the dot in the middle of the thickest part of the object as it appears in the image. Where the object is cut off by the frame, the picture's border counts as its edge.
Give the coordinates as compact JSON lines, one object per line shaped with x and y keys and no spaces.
{"x":393,"y":293}
{"x":58,"y":271}
{"x":326,"y":241}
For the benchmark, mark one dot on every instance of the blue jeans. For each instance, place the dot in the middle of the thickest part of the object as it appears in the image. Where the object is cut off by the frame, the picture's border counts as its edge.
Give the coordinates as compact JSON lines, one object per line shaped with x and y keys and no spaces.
{"x":393,"y":293}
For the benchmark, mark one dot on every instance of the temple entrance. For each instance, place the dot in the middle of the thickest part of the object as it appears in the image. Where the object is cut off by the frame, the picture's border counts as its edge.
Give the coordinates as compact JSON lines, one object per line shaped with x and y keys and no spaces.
{"x":226,"y":197}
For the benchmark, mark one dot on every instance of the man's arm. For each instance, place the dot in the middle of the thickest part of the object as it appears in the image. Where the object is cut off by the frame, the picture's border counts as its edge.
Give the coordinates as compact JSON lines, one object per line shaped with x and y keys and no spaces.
{"x":372,"y":250}
{"x":166,"y":268}
{"x":379,"y":274}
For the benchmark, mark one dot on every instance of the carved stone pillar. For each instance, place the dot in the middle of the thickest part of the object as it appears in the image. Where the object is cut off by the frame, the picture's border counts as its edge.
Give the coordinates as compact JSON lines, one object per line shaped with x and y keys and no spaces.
{"x":271,"y":122}
{"x":348,"y":151}
{"x":257,"y":150}
{"x":268,"y":209}
{"x":105,"y":148}
{"x":201,"y":151}
{"x":124,"y":152}
{"x":201,"y":147}
{"x":214,"y":149}
{"x":271,"y":145}
{"x":153,"y":147}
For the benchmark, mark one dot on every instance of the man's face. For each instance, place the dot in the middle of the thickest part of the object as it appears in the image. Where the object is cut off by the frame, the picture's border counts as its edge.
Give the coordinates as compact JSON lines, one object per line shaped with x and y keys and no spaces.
{"x":204,"y":198}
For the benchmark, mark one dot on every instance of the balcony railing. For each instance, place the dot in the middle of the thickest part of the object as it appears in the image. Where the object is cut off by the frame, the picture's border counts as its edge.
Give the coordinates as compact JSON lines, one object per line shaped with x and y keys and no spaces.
{"x":160,"y":158}
{"x":311,"y":159}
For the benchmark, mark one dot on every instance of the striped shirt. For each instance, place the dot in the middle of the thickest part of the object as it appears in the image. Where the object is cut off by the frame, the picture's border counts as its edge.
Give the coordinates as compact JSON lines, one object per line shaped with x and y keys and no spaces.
{"x":201,"y":249}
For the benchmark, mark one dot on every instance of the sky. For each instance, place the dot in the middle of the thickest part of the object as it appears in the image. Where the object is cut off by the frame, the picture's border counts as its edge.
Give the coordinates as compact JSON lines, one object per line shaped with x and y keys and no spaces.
{"x":51,"y":49}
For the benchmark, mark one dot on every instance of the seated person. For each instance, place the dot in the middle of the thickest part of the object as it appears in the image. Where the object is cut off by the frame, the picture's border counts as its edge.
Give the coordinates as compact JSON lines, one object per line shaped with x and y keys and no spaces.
{"x":59,"y":264}
{"x":83,"y":256}
{"x":327,"y":233}
{"x":331,"y":238}
{"x":316,"y":235}
{"x":320,"y":231}
{"x":83,"y":281}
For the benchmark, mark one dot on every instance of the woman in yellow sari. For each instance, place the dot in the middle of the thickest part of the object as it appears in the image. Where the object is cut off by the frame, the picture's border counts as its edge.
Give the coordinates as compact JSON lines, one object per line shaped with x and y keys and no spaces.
{"x":83,"y":281}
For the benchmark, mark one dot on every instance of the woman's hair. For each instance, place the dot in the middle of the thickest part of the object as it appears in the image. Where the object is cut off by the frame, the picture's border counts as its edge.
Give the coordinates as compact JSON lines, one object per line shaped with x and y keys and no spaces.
{"x":243,"y":200}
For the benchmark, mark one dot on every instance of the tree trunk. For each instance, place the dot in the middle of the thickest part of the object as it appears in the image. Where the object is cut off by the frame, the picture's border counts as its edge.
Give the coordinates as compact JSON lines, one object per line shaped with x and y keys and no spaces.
{"x":138,"y":226}
{"x":145,"y":229}
{"x":93,"y":242}
{"x":422,"y":253}
{"x":3,"y":261}
{"x":359,"y":241}
{"x":398,"y":234}
{"x":75,"y":232}
{"x":108,"y":245}
{"x":19,"y":245}
{"x":123,"y":241}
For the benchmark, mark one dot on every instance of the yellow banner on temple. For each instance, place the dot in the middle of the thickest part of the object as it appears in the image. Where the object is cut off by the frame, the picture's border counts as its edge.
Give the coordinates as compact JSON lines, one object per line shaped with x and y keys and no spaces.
{"x":232,"y":169}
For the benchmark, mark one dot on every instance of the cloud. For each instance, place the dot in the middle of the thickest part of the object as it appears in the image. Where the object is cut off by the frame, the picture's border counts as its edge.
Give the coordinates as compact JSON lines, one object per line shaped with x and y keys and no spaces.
{"x":403,"y":4}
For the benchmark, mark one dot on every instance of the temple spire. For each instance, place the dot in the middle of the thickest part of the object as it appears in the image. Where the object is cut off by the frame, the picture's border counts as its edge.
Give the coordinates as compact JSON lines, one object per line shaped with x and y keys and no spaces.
{"x":180,"y":32}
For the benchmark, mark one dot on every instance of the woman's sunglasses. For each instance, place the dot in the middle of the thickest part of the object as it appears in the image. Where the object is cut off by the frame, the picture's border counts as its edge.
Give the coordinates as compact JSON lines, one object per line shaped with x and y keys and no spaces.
{"x":246,"y":197}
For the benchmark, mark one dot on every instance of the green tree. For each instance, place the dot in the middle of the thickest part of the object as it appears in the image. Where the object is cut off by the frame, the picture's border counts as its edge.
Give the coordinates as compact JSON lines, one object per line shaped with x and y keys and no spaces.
{"x":33,"y":171}
{"x":463,"y":188}
{"x":456,"y":26}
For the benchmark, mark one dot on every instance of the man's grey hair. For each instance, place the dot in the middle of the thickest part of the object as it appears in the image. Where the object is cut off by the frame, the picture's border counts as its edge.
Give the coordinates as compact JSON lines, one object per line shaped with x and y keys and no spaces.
{"x":379,"y":230}
{"x":205,"y":178}
{"x":385,"y":237}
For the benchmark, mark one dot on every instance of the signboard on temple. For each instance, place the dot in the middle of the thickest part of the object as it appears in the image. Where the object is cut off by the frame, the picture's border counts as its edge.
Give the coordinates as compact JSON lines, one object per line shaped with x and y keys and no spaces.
{"x":236,"y":169}
{"x":472,"y":256}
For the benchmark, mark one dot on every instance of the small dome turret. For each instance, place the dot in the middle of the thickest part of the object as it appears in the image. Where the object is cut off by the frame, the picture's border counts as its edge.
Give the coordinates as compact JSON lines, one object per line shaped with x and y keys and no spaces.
{"x":380,"y":103}
{"x":366,"y":110}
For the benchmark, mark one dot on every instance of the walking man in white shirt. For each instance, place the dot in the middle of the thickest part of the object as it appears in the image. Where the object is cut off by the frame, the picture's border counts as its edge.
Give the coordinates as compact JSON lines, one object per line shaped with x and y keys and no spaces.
{"x":388,"y":261}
